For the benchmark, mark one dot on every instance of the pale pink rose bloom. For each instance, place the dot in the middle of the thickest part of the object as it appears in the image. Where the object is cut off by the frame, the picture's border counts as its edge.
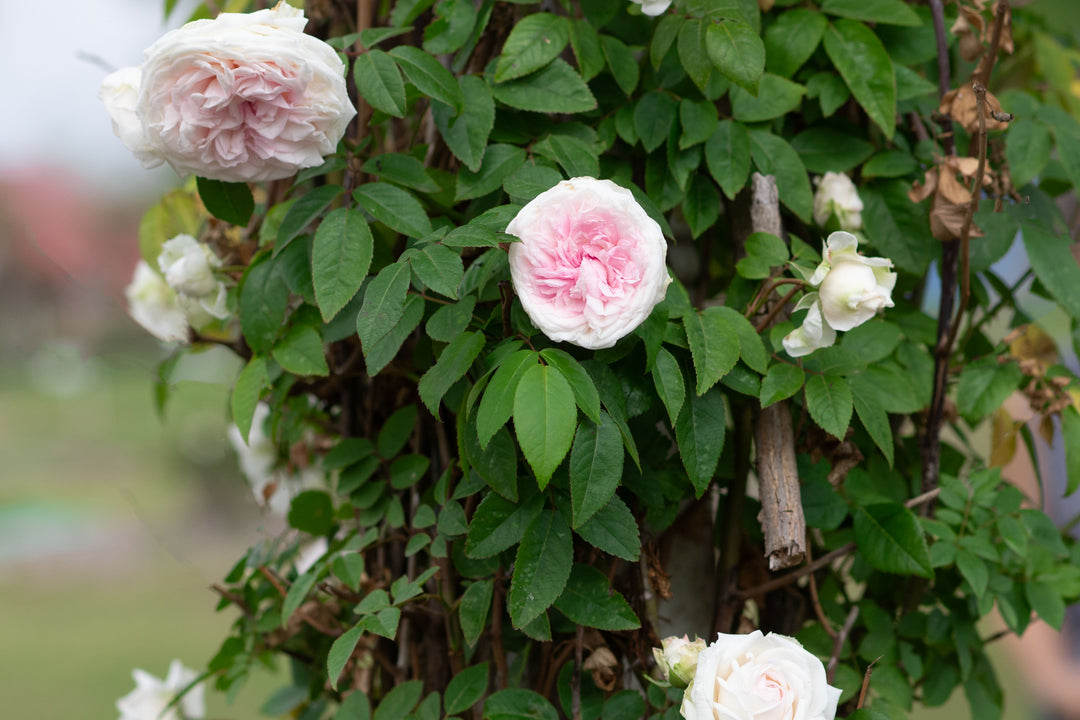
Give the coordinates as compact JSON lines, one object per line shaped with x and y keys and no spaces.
{"x":241,"y":98}
{"x":590,"y":266}
{"x":759,"y":677}
{"x":653,"y":7}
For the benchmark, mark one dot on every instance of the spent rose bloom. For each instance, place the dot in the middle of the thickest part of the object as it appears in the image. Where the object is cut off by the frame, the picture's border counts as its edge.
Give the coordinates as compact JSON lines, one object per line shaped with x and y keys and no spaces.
{"x":156,"y":306}
{"x":273,"y":485}
{"x":188,"y":266}
{"x":590,"y":266}
{"x":240,"y":98}
{"x":653,"y":7}
{"x":677,"y":659}
{"x":759,"y":677}
{"x":836,"y":194}
{"x":151,"y":696}
{"x":852,"y":288}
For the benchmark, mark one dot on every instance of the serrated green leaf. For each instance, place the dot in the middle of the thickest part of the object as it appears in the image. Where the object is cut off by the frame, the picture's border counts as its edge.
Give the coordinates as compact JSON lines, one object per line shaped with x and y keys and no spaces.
{"x":312,"y":511}
{"x":699,"y":432}
{"x":701,"y":206}
{"x":384,"y":303}
{"x":303,"y":212}
{"x":622,"y":62}
{"x":396,"y":208}
{"x":613,"y":529}
{"x":533,"y":42}
{"x":298,"y":592}
{"x":668,"y":379}
{"x":577,"y":157}
{"x":499,"y":524}
{"x":737,"y":50}
{"x":466,"y":689}
{"x":499,"y":162}
{"x":556,"y":88}
{"x":340,"y":257}
{"x":473,"y":610}
{"x":340,"y":652}
{"x":453,"y":363}
{"x":1054,"y":265}
{"x":888,"y":12}
{"x":781,"y":382}
{"x":586,"y":44}
{"x":301,"y":352}
{"x":429,"y":77}
{"x":585,"y":394}
{"x":828,"y":399}
{"x":984,"y":385}
{"x":402,"y":170}
{"x":693,"y":52}
{"x":544,"y":420}
{"x":876,"y":422}
{"x":378,"y":355}
{"x":466,"y":133}
{"x":774,"y":156}
{"x":890,"y":538}
{"x":228,"y":201}
{"x":519,"y":704}
{"x":824,"y":149}
{"x":653,"y":117}
{"x":865,"y":66}
{"x":246,"y":392}
{"x":589,"y":600}
{"x":541,"y":567}
{"x":792,"y":39}
{"x":776,"y":96}
{"x":264,"y":300}
{"x":440,"y":268}
{"x":727,"y":153}
{"x":596,"y":462}
{"x":714,"y":345}
{"x":497,"y":403}
{"x":378,"y":80}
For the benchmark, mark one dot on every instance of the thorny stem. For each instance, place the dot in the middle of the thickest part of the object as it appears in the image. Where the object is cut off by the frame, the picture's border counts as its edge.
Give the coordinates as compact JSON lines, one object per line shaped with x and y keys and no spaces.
{"x":766,"y":290}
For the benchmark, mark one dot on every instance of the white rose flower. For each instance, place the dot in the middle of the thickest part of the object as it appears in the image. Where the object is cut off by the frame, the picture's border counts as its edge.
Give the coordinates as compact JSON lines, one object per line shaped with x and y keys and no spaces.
{"x":837,"y":194}
{"x":188,"y":266}
{"x":273,"y":486}
{"x":151,"y":696}
{"x":240,"y":98}
{"x":591,"y":264}
{"x":852,"y":290}
{"x":653,"y":7}
{"x":677,"y":659}
{"x":759,"y":677}
{"x":156,"y":306}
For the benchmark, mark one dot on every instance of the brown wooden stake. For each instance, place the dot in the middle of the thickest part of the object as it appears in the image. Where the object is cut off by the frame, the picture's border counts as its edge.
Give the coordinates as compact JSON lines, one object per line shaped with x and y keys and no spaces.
{"x":781,"y":500}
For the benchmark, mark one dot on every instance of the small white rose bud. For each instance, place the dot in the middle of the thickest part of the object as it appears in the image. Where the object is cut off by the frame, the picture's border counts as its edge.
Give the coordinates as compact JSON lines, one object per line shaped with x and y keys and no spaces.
{"x":677,"y":659}
{"x":836,"y":194}
{"x":188,"y":266}
{"x":653,"y":7}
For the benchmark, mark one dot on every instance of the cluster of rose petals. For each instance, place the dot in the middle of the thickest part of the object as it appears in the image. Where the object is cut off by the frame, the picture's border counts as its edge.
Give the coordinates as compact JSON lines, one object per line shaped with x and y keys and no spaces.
{"x":653,"y":7}
{"x":156,"y":306}
{"x":837,"y":195}
{"x":188,"y":266}
{"x":759,"y":677}
{"x":240,"y":98}
{"x":151,"y":696}
{"x":591,"y":264}
{"x":853,"y":288}
{"x":273,"y":485}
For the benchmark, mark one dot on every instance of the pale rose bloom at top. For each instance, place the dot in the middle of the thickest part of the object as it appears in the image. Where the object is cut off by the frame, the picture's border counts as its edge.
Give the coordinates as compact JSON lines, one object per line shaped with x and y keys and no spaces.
{"x":188,"y":266}
{"x":677,"y":659}
{"x":759,"y":677}
{"x":240,"y":98}
{"x":273,"y":485}
{"x":653,"y":7}
{"x":151,"y":696}
{"x":853,"y":288}
{"x":837,"y":194}
{"x":591,"y":264}
{"x":156,"y":306}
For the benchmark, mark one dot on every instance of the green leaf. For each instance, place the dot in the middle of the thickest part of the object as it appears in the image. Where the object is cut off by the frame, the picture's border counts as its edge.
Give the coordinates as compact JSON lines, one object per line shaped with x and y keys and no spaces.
{"x":541,"y":567}
{"x":378,"y":80}
{"x":530,"y":180}
{"x":614,"y":530}
{"x":585,"y":394}
{"x":586,"y":44}
{"x":300,"y":352}
{"x":590,"y":601}
{"x":544,"y":420}
{"x":518,"y":704}
{"x":384,"y":303}
{"x":298,"y":592}
{"x":406,"y":12}
{"x":792,"y":39}
{"x":533,"y":42}
{"x":245,"y":394}
{"x":864,"y":64}
{"x":890,"y":163}
{"x":453,"y":363}
{"x":400,"y":701}
{"x":466,"y":134}
{"x":764,"y":251}
{"x":303,"y":212}
{"x":984,"y":385}
{"x":440,"y":268}
{"x":886,"y":12}
{"x":473,"y":610}
{"x":699,"y":432}
{"x":664,"y":35}
{"x":466,"y":689}
{"x":776,"y":96}
{"x":340,"y":258}
{"x":340,"y":652}
{"x":378,"y":355}
{"x":693,"y":52}
{"x":701,"y":206}
{"x":354,"y":707}
{"x":890,"y":538}
{"x":228,"y":201}
{"x":1046,"y":601}
{"x":668,"y":379}
{"x":402,"y":170}
{"x":396,"y":208}
{"x":714,"y":345}
{"x":974,"y":570}
{"x":699,"y":121}
{"x":728,"y":155}
{"x":774,"y":156}
{"x":824,"y":149}
{"x":454,"y":23}
{"x":499,"y":524}
{"x":312,"y":511}
{"x":737,"y":50}
{"x":653,"y":117}
{"x":1070,"y":431}
{"x":830,"y":90}
{"x":596,"y":462}
{"x":781,"y":382}
{"x":875,"y":420}
{"x":429,"y":76}
{"x":622,"y":62}
{"x":497,"y":464}
{"x":828,"y":398}
{"x":577,"y":157}
{"x":395,"y":431}
{"x":1027,"y":149}
{"x":1054,"y":265}
{"x":497,"y":403}
{"x":556,"y":88}
{"x":264,"y":300}
{"x":500,"y":161}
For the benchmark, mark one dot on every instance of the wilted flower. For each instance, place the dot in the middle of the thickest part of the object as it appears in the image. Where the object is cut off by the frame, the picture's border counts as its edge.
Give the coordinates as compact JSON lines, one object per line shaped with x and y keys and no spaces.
{"x":852,"y":289}
{"x":653,"y":7}
{"x":590,"y":266}
{"x":836,"y":194}
{"x":677,"y":659}
{"x":155,"y":306}
{"x":151,"y":696}
{"x":759,"y":677}
{"x":273,"y":485}
{"x":188,"y":266}
{"x":240,"y":98}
